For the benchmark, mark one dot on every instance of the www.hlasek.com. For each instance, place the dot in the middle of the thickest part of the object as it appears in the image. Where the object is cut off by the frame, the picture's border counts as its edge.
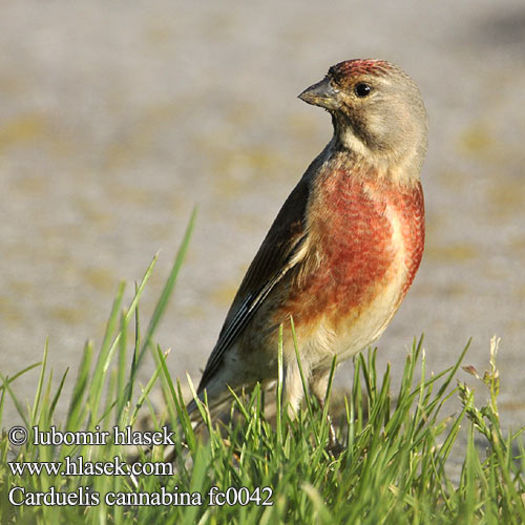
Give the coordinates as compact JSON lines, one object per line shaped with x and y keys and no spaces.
{"x":73,"y":466}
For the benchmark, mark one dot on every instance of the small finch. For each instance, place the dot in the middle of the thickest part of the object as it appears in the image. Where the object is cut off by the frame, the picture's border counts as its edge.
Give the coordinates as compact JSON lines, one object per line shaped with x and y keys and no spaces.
{"x":344,"y":248}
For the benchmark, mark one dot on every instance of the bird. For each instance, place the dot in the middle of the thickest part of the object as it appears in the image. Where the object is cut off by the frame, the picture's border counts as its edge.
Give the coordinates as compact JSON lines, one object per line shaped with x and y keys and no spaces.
{"x":344,"y":248}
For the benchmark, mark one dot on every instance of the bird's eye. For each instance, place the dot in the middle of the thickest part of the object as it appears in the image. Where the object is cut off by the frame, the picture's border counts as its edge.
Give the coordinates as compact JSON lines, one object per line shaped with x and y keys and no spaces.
{"x":362,"y":89}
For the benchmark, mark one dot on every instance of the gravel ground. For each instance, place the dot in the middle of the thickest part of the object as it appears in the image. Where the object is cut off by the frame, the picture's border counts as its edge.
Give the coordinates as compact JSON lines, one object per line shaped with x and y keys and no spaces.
{"x":117,"y":118}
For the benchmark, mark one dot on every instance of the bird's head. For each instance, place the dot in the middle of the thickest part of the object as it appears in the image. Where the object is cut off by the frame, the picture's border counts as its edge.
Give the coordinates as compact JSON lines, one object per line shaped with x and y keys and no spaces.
{"x":376,"y":108}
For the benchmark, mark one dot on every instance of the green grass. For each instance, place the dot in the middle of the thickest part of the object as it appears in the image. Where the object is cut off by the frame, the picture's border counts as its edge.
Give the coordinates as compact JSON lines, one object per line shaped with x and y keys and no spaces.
{"x":393,"y":469}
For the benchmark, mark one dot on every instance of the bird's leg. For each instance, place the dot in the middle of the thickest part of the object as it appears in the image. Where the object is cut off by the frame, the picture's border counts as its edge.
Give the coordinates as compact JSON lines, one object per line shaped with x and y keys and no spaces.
{"x":319,"y":387}
{"x":293,"y":388}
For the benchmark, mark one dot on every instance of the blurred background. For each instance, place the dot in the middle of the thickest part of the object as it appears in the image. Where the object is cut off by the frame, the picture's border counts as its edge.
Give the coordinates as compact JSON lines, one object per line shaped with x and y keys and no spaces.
{"x":117,"y":118}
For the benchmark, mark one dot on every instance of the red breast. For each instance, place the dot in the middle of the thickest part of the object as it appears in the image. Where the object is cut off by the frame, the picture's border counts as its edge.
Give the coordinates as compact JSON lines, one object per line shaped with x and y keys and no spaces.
{"x":363,"y":232}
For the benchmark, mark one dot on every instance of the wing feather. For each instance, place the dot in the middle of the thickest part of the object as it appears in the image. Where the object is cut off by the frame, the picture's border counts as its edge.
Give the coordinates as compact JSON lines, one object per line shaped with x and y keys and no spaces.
{"x":278,"y":254}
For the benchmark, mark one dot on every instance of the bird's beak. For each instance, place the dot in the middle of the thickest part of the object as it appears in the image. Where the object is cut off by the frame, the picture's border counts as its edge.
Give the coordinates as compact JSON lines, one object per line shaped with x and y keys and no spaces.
{"x":321,"y":94}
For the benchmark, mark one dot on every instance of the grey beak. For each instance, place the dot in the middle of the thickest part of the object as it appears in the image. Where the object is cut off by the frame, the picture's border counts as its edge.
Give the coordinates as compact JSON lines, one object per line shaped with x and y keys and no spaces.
{"x":321,"y":94}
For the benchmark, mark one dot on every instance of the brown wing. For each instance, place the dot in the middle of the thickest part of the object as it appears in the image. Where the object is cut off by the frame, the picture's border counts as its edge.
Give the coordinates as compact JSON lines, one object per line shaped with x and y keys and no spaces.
{"x":273,"y":260}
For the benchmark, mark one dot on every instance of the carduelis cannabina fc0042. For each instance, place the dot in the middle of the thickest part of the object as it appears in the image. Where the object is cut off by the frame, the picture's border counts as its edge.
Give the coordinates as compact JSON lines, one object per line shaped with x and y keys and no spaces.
{"x":344,"y":248}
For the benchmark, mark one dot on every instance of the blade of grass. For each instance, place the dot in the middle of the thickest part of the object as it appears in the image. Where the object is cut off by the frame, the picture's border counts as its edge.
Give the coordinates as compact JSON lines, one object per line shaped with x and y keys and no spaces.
{"x":98,"y":378}
{"x":18,"y":405}
{"x":38,"y":393}
{"x":303,"y":379}
{"x":77,"y":408}
{"x":168,"y":287}
{"x":22,"y":372}
{"x":279,"y":392}
{"x":54,"y":402}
